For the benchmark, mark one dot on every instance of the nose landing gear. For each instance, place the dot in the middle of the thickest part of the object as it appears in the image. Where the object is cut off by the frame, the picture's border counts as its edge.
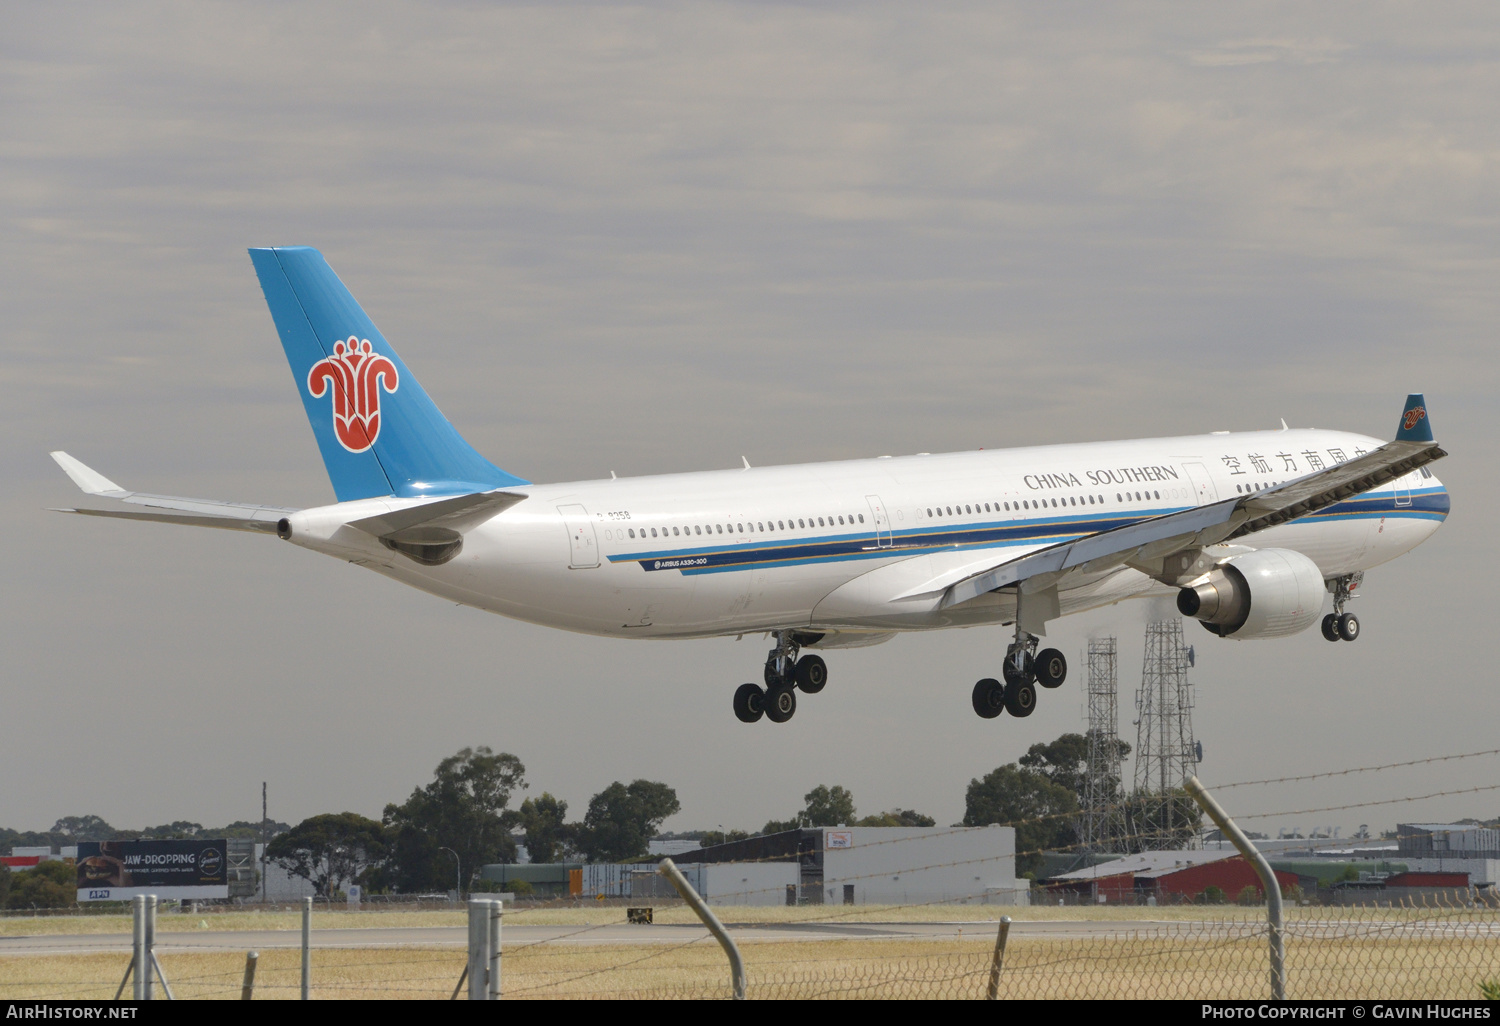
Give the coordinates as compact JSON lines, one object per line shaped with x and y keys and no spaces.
{"x":785,"y":674}
{"x":1024,"y":668}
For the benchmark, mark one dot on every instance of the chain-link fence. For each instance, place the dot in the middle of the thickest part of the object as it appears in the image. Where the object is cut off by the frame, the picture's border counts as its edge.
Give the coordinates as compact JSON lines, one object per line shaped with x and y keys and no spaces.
{"x":1447,"y":948}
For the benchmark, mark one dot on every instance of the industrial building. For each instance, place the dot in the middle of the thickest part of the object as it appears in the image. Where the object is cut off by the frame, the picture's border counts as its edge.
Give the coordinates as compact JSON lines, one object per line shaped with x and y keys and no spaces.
{"x":1451,"y":848}
{"x":849,"y":865}
{"x":874,"y":865}
{"x":1163,"y":876}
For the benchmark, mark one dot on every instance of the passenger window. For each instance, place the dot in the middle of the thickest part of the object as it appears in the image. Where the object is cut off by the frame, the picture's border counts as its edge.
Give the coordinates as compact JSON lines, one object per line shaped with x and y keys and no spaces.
{"x":697,"y":529}
{"x":632,"y":532}
{"x":1007,"y":507}
{"x":720,"y":527}
{"x":1157,"y":494}
{"x":653,"y":532}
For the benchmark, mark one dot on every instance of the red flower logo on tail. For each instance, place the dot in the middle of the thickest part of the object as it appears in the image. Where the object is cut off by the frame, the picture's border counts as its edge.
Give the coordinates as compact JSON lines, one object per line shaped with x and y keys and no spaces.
{"x":355,"y":374}
{"x":1413,"y":415}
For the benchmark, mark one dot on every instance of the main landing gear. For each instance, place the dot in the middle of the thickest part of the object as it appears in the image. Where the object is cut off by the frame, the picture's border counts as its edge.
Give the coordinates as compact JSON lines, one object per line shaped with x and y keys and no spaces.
{"x":1339,"y":625}
{"x":785,"y":675}
{"x":1024,"y":668}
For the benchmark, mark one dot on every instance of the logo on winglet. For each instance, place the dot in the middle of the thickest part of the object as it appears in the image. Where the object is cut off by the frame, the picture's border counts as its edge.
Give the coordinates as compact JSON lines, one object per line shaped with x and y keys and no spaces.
{"x":1413,"y":415}
{"x":355,"y":373}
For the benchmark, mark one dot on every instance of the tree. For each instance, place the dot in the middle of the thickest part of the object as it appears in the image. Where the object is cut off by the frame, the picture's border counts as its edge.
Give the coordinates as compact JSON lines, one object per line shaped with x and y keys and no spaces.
{"x":622,"y":819}
{"x":4,"y":883}
{"x":779,"y":826}
{"x":898,"y":818}
{"x":247,"y":830}
{"x":329,"y":850}
{"x":548,"y":838}
{"x":51,"y":884}
{"x":83,"y":828}
{"x":464,"y":808}
{"x":180,"y":829}
{"x":713,"y":837}
{"x":828,"y":806}
{"x":1028,"y":800}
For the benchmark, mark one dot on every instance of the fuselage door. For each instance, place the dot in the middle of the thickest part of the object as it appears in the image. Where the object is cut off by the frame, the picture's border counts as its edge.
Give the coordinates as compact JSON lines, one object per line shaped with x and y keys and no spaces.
{"x":1403,"y":491}
{"x":583,"y":544}
{"x":882,"y":521}
{"x":1204,"y":491}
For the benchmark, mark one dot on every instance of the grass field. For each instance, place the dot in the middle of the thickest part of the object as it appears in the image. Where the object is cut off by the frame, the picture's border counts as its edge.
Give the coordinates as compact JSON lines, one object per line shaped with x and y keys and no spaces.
{"x":1204,"y":961}
{"x":14,"y":925}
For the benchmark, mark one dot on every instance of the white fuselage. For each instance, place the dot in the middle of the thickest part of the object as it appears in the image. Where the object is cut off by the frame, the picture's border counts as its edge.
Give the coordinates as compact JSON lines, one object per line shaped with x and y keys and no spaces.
{"x":859,"y":546}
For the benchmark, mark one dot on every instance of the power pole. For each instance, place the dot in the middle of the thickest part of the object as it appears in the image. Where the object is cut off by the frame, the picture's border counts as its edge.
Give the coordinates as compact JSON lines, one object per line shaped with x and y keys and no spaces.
{"x":1165,"y":749}
{"x":1104,"y":817}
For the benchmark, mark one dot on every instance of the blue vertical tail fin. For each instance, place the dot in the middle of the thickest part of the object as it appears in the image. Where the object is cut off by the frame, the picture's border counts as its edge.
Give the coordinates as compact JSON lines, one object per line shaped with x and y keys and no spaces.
{"x":378,"y":431}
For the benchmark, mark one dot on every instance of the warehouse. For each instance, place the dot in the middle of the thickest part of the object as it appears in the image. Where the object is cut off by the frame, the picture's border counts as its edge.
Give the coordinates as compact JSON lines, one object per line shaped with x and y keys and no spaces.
{"x":875,"y":865}
{"x":1164,"y":876}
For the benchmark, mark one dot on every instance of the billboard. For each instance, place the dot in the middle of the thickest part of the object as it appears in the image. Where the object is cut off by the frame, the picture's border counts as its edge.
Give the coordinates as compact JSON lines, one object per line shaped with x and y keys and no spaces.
{"x":119,"y":870}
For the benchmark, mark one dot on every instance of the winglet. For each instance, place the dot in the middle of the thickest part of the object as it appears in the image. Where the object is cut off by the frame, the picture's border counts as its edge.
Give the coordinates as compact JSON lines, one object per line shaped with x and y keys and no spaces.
{"x":90,"y":480}
{"x":1415,"y":425}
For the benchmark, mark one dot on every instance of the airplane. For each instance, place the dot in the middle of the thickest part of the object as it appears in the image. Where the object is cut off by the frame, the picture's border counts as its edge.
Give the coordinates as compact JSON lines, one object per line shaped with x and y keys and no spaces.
{"x":1249,"y":530}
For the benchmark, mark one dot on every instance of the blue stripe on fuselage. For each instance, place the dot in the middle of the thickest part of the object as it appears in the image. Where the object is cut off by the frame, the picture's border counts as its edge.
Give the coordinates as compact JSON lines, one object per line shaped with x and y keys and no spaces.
{"x":1426,"y":504}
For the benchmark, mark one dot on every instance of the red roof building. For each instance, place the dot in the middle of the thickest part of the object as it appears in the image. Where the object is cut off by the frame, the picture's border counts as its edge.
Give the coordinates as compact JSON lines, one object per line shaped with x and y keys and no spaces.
{"x":1167,"y":876}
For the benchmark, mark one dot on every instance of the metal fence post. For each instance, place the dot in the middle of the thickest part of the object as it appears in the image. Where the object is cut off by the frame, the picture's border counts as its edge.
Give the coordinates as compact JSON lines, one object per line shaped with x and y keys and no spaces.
{"x":479,"y":935}
{"x":668,"y":869}
{"x":1267,"y":875}
{"x":998,"y":960}
{"x":144,"y":970}
{"x":306,"y":948}
{"x":247,"y":989}
{"x":497,"y":909}
{"x":140,"y":966}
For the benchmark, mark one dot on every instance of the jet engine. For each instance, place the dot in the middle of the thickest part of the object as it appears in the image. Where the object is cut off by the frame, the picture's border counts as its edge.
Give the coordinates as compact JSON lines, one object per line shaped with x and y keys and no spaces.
{"x":1269,"y":593}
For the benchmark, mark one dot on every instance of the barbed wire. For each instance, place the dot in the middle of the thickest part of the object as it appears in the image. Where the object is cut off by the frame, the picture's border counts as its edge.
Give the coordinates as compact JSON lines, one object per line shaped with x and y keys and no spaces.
{"x":1358,"y":769}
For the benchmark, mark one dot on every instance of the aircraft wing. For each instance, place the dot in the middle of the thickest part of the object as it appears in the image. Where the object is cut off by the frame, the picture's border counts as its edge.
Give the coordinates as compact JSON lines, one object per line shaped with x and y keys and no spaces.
{"x":1170,"y":547}
{"x":169,"y":509}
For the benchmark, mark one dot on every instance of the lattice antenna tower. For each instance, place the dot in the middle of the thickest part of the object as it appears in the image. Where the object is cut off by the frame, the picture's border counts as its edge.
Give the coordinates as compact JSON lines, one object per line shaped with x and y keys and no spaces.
{"x":1165,"y":747}
{"x":1104,"y":827}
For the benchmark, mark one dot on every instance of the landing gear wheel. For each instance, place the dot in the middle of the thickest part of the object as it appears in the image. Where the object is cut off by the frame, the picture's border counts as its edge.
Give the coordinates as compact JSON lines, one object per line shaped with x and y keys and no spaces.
{"x":1051,"y":668}
{"x":781,"y":703}
{"x":772,"y":678}
{"x":1020,"y":698}
{"x":1008,"y":671}
{"x":1331,"y":627}
{"x":749,"y":703}
{"x":1349,"y":627}
{"x":989,"y":698}
{"x":811,"y":673}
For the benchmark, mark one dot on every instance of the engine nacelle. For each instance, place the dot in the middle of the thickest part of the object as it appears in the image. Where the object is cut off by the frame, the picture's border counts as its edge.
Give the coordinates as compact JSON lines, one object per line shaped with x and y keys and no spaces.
{"x":1269,"y":593}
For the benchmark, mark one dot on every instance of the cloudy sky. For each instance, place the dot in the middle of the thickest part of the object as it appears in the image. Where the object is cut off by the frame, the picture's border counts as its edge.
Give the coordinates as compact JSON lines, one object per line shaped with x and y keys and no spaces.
{"x":657,"y":238}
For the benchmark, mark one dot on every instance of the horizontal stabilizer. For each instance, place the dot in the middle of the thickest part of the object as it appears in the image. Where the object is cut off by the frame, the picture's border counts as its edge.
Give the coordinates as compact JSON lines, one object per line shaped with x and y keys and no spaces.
{"x":223,"y":523}
{"x":169,"y":509}
{"x":459,"y":513}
